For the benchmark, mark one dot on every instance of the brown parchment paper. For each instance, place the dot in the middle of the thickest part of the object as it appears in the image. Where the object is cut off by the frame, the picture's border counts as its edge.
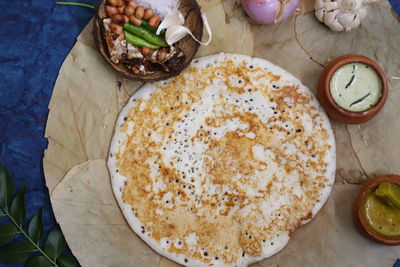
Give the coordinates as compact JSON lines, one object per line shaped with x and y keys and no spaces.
{"x":88,"y":96}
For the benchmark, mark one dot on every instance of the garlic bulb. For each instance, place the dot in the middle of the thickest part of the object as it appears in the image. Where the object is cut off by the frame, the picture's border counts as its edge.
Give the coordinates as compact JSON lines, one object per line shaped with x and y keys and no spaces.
{"x":340,"y":15}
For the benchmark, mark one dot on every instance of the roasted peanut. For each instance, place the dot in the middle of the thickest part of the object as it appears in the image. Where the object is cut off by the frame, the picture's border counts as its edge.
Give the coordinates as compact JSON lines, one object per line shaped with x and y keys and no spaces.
{"x":120,"y":3}
{"x":118,"y":19}
{"x":126,"y":19}
{"x":139,"y":12}
{"x":135,"y":21}
{"x":121,"y":9}
{"x":133,"y":3}
{"x":112,"y":2}
{"x":111,"y":11}
{"x":146,"y":51}
{"x":161,"y":54}
{"x":116,"y":28}
{"x":148,"y":13}
{"x":129,"y":10}
{"x":154,"y":21}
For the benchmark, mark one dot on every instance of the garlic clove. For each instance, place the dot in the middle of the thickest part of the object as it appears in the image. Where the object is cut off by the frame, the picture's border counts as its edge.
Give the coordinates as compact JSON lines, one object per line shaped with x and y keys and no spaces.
{"x":319,"y":4}
{"x":346,"y":20}
{"x":331,"y":6}
{"x":356,"y":22}
{"x":331,"y":16}
{"x":362,"y":13}
{"x":176,"y":33}
{"x":335,"y":26}
{"x":319,"y":13}
{"x":172,"y":19}
{"x":350,"y":20}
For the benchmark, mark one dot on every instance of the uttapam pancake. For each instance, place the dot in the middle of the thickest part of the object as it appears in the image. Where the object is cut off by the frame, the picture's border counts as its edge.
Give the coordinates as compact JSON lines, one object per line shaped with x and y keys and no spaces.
{"x":218,"y":166}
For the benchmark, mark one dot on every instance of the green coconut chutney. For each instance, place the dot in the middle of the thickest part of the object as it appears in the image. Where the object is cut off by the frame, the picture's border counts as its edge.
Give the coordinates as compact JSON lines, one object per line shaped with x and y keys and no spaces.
{"x":356,"y":87}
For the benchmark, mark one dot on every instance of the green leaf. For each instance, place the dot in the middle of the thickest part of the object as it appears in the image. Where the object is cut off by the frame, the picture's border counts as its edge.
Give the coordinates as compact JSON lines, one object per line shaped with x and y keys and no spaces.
{"x":76,"y":4}
{"x":7,"y":233}
{"x":17,"y":252}
{"x":6,"y":188}
{"x":55,"y":244}
{"x":35,"y":228}
{"x":39,"y":261}
{"x":17,"y":209}
{"x":66,"y":260}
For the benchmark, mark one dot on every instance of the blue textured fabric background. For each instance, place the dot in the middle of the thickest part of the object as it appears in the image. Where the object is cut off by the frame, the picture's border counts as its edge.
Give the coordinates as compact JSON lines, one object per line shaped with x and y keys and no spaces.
{"x":35,"y":37}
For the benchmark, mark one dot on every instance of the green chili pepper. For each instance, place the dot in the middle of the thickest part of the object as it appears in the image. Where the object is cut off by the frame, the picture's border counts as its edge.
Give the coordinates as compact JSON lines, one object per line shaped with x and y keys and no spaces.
{"x":145,"y":34}
{"x":145,"y":23}
{"x":137,"y":41}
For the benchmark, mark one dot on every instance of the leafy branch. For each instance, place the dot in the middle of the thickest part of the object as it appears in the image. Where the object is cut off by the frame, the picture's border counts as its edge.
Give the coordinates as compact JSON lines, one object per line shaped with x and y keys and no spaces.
{"x":76,"y":4}
{"x":31,"y":248}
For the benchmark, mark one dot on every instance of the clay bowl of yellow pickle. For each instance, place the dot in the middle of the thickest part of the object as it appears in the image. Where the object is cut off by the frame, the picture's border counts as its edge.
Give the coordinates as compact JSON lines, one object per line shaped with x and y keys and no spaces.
{"x":376,"y":210}
{"x":352,"y":89}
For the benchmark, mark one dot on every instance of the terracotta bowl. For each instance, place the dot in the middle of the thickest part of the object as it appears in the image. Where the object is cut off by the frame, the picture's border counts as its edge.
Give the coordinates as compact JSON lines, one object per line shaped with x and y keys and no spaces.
{"x":189,"y":9}
{"x":329,"y":104}
{"x":358,"y":211}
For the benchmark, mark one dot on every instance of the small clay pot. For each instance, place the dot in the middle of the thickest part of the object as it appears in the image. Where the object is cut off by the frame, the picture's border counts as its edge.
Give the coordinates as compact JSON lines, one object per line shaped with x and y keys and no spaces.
{"x":358,"y":209}
{"x":329,"y":104}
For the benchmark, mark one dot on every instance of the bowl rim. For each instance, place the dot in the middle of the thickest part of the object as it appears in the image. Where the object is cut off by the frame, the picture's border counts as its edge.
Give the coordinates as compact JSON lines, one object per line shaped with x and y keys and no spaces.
{"x":358,"y":211}
{"x":334,"y":65}
{"x":98,"y":31}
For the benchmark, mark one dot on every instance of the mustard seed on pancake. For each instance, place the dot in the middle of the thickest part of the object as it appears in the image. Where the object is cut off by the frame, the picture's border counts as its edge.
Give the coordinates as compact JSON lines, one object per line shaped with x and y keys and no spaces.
{"x":218,"y":166}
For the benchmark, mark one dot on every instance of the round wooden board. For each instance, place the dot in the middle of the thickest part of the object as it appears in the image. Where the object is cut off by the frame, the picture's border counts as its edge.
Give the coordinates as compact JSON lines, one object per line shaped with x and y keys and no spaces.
{"x":88,"y":96}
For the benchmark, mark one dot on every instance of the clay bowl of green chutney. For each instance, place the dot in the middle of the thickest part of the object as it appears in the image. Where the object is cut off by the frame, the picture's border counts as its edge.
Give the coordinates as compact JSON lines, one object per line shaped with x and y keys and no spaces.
{"x":376,"y":210}
{"x":352,"y":89}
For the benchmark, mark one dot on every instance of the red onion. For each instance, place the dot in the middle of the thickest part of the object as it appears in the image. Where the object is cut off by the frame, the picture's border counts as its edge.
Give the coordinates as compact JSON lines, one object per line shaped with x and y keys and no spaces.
{"x":269,"y":11}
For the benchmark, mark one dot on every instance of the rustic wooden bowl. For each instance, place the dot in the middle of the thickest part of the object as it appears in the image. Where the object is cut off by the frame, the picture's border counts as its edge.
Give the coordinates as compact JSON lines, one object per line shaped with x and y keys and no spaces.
{"x":358,"y":211}
{"x":329,"y":104}
{"x":189,"y":9}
